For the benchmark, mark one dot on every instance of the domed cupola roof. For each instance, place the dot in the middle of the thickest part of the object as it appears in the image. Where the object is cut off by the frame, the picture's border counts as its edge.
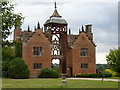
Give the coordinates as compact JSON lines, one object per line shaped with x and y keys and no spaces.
{"x":56,"y":18}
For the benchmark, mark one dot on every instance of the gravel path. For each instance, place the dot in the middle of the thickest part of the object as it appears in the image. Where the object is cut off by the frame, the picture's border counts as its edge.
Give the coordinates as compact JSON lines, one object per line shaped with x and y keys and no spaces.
{"x":99,"y":79}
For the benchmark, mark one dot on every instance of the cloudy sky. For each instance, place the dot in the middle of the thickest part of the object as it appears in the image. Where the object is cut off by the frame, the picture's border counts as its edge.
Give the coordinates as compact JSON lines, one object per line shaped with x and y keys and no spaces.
{"x":103,"y":15}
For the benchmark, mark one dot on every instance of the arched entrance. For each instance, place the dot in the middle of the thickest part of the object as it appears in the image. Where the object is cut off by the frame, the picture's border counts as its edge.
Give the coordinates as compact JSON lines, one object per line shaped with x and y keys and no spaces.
{"x":55,"y":64}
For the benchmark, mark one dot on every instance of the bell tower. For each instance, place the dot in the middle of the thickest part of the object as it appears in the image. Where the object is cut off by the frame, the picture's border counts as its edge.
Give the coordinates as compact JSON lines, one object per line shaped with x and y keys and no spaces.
{"x":55,"y":29}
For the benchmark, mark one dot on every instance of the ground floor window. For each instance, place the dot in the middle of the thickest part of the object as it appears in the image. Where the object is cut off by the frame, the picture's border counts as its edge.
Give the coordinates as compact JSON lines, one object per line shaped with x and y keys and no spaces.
{"x":84,"y":65}
{"x":37,"y":65}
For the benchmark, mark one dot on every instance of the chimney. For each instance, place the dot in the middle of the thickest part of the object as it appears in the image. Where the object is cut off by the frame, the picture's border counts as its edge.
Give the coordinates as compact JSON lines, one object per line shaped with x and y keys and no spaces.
{"x":17,"y":33}
{"x":88,"y":28}
{"x":89,"y":31}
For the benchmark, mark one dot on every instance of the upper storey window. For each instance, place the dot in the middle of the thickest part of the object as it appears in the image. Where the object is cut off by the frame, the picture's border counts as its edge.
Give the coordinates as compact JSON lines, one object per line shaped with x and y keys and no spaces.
{"x":84,"y":52}
{"x":37,"y":51}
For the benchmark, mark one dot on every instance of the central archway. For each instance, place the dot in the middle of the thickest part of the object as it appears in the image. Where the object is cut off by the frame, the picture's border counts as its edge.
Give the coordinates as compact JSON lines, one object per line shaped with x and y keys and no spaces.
{"x":56,"y":64}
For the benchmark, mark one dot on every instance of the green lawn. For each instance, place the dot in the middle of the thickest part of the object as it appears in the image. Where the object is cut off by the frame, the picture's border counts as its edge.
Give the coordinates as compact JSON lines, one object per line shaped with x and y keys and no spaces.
{"x":56,"y":83}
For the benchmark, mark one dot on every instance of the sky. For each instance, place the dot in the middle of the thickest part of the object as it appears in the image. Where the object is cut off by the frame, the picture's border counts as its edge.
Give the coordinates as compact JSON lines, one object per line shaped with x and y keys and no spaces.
{"x":102,"y":14}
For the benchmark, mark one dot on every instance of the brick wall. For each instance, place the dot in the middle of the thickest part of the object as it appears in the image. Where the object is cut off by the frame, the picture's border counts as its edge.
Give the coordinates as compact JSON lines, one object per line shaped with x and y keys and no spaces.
{"x":38,"y":39}
{"x":83,"y":42}
{"x":73,"y":58}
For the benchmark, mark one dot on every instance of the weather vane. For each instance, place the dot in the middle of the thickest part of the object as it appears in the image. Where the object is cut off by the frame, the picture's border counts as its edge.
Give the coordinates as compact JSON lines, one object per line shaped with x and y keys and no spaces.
{"x":55,"y":4}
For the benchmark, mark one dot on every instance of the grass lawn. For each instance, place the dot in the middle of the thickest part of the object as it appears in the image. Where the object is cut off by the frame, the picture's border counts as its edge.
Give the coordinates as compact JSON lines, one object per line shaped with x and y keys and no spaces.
{"x":56,"y":83}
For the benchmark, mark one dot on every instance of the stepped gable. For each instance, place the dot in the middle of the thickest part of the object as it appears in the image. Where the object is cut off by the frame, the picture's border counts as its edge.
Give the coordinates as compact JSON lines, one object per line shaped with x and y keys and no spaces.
{"x":38,"y":35}
{"x":71,"y":38}
{"x":26,"y":35}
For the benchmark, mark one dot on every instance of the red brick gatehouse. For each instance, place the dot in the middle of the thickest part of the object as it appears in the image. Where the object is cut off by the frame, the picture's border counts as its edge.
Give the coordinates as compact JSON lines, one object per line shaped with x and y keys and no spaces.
{"x":55,"y":41}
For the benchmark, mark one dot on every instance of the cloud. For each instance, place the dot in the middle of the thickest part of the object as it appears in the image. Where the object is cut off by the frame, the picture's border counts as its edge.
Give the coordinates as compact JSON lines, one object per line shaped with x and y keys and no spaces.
{"x":101,"y":58}
{"x":102,"y":15}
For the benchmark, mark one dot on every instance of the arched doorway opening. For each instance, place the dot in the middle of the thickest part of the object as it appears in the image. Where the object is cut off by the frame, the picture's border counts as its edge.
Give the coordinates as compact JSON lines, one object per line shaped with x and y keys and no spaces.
{"x":55,"y":64}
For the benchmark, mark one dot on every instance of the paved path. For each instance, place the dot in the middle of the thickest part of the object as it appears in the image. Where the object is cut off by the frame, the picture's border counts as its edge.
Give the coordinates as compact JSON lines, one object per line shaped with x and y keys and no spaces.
{"x":99,"y":79}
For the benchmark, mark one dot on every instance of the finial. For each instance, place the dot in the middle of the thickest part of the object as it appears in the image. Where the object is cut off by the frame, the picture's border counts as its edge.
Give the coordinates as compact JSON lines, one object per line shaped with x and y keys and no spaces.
{"x":55,"y":5}
{"x":82,"y":28}
{"x":79,"y":31}
{"x":28,"y":28}
{"x":35,"y":28}
{"x":69,"y":31}
{"x":38,"y":25}
{"x":42,"y":29}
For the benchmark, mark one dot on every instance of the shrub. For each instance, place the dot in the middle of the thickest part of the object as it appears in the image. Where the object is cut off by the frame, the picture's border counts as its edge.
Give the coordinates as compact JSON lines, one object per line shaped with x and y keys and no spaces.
{"x":106,"y":74}
{"x":49,"y":73}
{"x":18,"y":69}
{"x":96,"y":75}
{"x":118,"y":75}
{"x":82,"y":75}
{"x":93,"y":75}
{"x":111,"y":71}
{"x":5,"y":74}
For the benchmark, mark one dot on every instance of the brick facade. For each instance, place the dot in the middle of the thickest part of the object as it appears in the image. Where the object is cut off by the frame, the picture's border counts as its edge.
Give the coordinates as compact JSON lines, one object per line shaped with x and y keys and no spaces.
{"x":83,"y":42}
{"x":38,"y":39}
{"x":75,"y":52}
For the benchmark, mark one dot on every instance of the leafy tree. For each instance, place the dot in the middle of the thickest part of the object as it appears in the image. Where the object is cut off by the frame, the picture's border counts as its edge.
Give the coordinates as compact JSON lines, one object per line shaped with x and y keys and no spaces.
{"x":113,"y":59}
{"x":18,"y":48}
{"x":9,"y":18}
{"x":0,"y":60}
{"x":7,"y":56}
{"x":7,"y":43}
{"x":18,"y":69}
{"x":10,"y":50}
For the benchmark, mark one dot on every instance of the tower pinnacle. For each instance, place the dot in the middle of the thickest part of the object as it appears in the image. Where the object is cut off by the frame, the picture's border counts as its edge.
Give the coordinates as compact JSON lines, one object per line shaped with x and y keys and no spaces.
{"x":55,"y":13}
{"x":55,"y":5}
{"x":38,"y":25}
{"x":28,"y":28}
{"x":82,"y":28}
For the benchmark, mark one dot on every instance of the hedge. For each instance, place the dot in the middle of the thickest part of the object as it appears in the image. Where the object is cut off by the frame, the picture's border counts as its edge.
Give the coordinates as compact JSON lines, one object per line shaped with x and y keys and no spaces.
{"x":48,"y":73}
{"x":94,"y":75}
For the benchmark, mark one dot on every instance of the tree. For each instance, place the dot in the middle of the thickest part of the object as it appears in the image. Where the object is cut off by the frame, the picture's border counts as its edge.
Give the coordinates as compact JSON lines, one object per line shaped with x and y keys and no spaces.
{"x":7,"y":43}
{"x":7,"y":56}
{"x":9,"y":18}
{"x":113,"y":59}
{"x":18,"y":69}
{"x":18,"y":48}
